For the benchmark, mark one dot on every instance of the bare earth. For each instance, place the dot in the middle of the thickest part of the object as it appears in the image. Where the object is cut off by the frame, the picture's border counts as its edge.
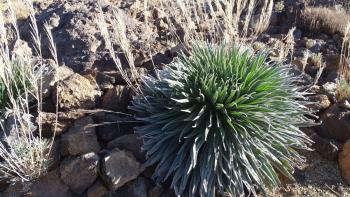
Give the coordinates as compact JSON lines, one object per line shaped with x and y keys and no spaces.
{"x":317,"y":177}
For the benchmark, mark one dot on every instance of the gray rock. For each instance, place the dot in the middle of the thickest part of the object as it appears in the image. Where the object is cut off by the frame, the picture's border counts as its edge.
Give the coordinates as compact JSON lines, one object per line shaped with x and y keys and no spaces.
{"x":80,"y":172}
{"x":118,"y":168}
{"x":130,"y":143}
{"x":49,"y":185}
{"x":80,"y":139}
{"x":135,"y":188}
{"x":98,"y":189}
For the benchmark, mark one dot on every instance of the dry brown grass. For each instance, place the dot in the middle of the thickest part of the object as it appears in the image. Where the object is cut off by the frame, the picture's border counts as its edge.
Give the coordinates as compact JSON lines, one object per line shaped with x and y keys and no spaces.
{"x":323,"y":19}
{"x":25,"y":154}
{"x":189,"y":21}
{"x":343,"y":82}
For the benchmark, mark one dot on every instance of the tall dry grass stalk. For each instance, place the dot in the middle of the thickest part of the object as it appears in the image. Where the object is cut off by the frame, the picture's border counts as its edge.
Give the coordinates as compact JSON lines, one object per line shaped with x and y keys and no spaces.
{"x":24,"y":154}
{"x":343,"y":82}
{"x":188,"y":21}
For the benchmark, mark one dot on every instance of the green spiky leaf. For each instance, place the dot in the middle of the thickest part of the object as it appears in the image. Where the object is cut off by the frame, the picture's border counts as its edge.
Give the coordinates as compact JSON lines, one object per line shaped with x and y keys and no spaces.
{"x":221,"y":121}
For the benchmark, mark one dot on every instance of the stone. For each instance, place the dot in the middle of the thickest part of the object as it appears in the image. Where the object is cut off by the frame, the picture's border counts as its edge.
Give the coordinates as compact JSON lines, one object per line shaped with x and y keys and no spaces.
{"x":135,"y":188}
{"x":49,"y":185}
{"x":78,"y":37}
{"x":111,"y":126}
{"x":344,"y":161}
{"x":76,"y":92}
{"x":80,"y":139}
{"x":310,"y":43}
{"x":118,"y":168}
{"x":117,"y":98}
{"x":332,"y":63}
{"x":80,"y":172}
{"x":345,"y":104}
{"x":57,"y":73}
{"x":330,"y":88}
{"x":156,"y":191}
{"x":129,"y":143}
{"x":336,"y":123}
{"x":326,"y":148}
{"x":104,"y":81}
{"x":320,"y":102}
{"x":14,"y":190}
{"x":98,"y":189}
{"x":54,"y":124}
{"x":168,"y":193}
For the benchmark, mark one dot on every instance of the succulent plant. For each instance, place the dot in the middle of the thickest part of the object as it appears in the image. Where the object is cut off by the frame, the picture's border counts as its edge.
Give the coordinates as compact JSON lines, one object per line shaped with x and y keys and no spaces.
{"x":221,"y":121}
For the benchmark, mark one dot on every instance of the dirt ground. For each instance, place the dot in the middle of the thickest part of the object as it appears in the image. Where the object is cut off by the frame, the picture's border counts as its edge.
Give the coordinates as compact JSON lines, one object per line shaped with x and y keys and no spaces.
{"x":317,"y":177}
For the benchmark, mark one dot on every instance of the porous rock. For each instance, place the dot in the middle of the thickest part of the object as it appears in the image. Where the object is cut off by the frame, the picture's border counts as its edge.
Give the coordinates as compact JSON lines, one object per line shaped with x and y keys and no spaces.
{"x":118,"y":168}
{"x":80,"y":172}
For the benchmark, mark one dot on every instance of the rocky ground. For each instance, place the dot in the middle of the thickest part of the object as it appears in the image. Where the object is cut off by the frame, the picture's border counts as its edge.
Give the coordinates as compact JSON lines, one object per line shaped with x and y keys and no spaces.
{"x":95,"y":151}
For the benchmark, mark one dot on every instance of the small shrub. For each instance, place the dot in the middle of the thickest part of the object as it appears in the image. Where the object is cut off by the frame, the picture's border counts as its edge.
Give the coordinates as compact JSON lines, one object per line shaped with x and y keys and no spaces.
{"x":343,"y":89}
{"x":221,"y":121}
{"x":323,"y":19}
{"x":14,"y":81}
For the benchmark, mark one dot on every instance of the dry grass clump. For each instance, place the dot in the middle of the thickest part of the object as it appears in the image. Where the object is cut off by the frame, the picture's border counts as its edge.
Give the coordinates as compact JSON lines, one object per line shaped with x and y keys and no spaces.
{"x":24,"y":154}
{"x":186,"y":21}
{"x":323,"y":19}
{"x":343,"y":82}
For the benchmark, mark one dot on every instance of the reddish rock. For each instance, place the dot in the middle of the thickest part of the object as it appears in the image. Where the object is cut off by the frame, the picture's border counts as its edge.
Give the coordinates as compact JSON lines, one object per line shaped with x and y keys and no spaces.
{"x":344,"y":161}
{"x":336,"y":123}
{"x":76,"y":92}
{"x":117,"y":98}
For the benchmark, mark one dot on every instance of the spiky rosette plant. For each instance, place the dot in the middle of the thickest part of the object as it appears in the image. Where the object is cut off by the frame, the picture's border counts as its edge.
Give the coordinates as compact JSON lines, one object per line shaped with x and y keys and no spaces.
{"x":221,"y":121}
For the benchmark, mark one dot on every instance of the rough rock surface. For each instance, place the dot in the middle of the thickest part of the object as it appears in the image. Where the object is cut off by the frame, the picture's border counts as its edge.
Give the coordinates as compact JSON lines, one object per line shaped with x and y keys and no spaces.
{"x":118,"y":168}
{"x":98,"y":189}
{"x":320,"y":102}
{"x":51,"y":127}
{"x":79,"y":43}
{"x":117,"y":98}
{"x":344,"y":161}
{"x":135,"y":188}
{"x":130,"y":143}
{"x":80,"y":139}
{"x":111,"y":126}
{"x":55,"y":75}
{"x":80,"y":172}
{"x":325,"y":147}
{"x":50,"y":185}
{"x":76,"y":92}
{"x":336,"y":123}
